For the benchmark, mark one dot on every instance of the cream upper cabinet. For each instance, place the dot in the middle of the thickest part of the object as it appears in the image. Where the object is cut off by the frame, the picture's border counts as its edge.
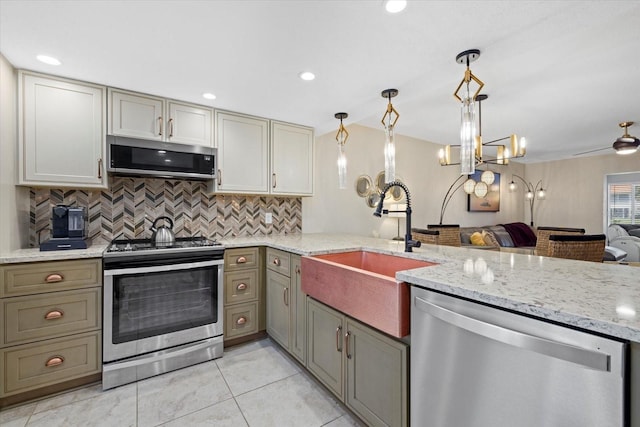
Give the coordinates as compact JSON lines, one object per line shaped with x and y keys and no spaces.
{"x":61,"y":132}
{"x":243,"y":153}
{"x":189,"y":124}
{"x":144,"y":116}
{"x":136,"y":115}
{"x":291,"y":159}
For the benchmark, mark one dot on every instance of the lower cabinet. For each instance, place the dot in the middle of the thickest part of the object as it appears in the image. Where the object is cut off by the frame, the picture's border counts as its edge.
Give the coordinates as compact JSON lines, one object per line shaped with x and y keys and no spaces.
{"x":286,"y":308}
{"x":50,"y":327}
{"x":243,"y":293}
{"x":364,"y":368}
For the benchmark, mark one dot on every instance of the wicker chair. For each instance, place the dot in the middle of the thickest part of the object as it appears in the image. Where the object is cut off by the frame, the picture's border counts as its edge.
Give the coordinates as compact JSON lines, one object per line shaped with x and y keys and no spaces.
{"x":449,"y":234}
{"x":430,"y":237}
{"x":543,"y":233}
{"x":586,"y":247}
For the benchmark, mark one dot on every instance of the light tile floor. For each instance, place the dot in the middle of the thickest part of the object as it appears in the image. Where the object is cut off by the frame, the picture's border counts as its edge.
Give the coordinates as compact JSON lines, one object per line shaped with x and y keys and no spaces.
{"x":254,"y":385}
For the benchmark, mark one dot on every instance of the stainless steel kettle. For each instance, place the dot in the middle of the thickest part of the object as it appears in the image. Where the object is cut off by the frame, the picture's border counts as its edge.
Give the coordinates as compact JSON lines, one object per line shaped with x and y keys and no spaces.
{"x":163,"y":236}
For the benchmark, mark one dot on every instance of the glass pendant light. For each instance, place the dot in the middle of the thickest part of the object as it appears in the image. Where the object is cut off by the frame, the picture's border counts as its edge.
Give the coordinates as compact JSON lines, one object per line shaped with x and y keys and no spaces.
{"x":389,"y":122}
{"x":342,"y":137}
{"x":468,"y":112}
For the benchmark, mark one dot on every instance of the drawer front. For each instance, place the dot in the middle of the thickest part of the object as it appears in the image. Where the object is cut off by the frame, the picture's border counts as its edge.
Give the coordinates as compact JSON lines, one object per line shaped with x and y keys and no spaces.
{"x":240,"y":258}
{"x":40,"y":277}
{"x":241,"y":320}
{"x":240,"y":286}
{"x":50,"y":315}
{"x":31,"y":366}
{"x":278,"y":261}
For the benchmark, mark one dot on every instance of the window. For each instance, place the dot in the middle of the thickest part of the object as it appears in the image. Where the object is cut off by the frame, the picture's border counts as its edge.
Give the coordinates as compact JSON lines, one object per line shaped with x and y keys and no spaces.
{"x":624,"y":203}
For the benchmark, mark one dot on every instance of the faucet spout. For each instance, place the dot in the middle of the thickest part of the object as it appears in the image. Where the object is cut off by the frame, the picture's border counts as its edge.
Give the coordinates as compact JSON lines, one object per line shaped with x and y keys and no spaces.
{"x":409,"y":243}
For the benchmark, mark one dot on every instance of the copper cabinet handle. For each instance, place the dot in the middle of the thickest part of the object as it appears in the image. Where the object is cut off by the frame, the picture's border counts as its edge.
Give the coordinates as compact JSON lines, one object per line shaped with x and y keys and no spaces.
{"x":54,"y":314}
{"x":285,"y":293}
{"x":100,"y":168}
{"x":274,"y":179}
{"x":338,"y":335}
{"x":54,"y":361}
{"x":241,"y":286}
{"x":53,"y":278}
{"x":170,"y":128}
{"x":241,"y":260}
{"x":241,"y":320}
{"x":276,"y":261}
{"x":346,"y":343}
{"x":219,"y":177}
{"x":160,"y":126}
{"x":297,"y":269}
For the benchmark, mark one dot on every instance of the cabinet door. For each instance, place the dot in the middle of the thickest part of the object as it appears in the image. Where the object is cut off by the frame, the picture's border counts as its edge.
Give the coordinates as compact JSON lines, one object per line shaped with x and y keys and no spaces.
{"x":376,"y":387}
{"x":291,"y":159}
{"x":61,"y":132}
{"x":278,"y":307}
{"x":190,"y":124}
{"x":298,"y":341}
{"x":325,"y":345}
{"x":243,"y":154}
{"x":136,"y":115}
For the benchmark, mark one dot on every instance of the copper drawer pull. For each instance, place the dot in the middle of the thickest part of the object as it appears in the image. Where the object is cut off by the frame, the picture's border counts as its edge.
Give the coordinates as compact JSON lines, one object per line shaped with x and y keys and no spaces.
{"x":338,"y":333}
{"x":160,"y":126}
{"x":285,"y":294}
{"x":54,"y":314}
{"x":54,"y":361}
{"x":274,"y":179}
{"x":241,"y":320}
{"x":219,"y":177}
{"x":276,"y":261}
{"x":170,"y":128}
{"x":346,"y":343}
{"x":53,"y":278}
{"x":297,"y":269}
{"x":241,"y":260}
{"x":241,"y":287}
{"x":99,"y":168}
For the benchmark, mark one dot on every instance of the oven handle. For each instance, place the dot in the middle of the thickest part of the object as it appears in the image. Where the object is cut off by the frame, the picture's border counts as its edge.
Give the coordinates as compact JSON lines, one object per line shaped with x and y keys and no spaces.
{"x":160,"y":268}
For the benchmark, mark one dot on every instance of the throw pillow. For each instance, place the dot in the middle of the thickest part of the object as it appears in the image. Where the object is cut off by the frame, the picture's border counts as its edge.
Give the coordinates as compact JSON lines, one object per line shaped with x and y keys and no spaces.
{"x":489,"y":239}
{"x":476,"y":239}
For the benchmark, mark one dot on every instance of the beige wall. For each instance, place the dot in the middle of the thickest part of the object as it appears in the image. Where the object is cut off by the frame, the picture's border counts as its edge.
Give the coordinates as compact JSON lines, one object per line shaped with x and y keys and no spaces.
{"x":334,"y":210}
{"x":576,"y":189}
{"x":14,"y":201}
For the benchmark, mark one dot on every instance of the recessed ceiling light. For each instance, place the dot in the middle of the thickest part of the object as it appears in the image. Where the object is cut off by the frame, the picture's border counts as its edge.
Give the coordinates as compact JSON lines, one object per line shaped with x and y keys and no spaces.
{"x":395,"y":6}
{"x":307,"y":75}
{"x":208,"y":95}
{"x":48,"y":60}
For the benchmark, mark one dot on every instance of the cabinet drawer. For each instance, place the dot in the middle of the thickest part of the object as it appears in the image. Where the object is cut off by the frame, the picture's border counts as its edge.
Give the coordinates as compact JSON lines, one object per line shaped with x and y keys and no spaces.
{"x":39,"y":277}
{"x":240,"y":258}
{"x":278,"y":261}
{"x":241,"y":320}
{"x":240,"y":286}
{"x":32,"y":366}
{"x":44,"y":316}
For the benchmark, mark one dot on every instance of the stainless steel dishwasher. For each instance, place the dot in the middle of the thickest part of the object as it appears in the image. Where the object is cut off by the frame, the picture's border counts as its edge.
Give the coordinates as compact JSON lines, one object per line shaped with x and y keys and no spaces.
{"x":477,"y":366}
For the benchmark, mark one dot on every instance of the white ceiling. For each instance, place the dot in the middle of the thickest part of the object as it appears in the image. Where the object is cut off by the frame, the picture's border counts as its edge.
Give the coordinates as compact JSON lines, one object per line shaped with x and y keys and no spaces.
{"x":561,"y":73}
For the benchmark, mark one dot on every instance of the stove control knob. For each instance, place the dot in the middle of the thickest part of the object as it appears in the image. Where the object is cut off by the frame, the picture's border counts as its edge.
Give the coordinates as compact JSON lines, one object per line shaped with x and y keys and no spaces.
{"x":114,"y":248}
{"x":128,"y":247}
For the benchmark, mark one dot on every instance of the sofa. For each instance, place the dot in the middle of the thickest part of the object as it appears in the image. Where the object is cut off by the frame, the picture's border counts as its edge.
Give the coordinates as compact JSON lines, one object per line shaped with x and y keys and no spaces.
{"x":627,"y":238}
{"x":515,"y":237}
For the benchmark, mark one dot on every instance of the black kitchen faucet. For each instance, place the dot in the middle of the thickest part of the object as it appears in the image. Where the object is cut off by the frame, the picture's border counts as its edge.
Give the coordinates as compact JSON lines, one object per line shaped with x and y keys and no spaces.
{"x":409,"y":243}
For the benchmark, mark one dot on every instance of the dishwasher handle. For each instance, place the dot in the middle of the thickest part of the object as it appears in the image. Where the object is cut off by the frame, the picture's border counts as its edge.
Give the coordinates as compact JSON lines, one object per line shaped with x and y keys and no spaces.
{"x":581,"y":356}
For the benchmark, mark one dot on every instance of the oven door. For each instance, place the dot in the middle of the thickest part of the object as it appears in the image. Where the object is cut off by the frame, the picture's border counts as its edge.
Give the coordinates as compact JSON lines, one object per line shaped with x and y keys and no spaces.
{"x":154,"y":307}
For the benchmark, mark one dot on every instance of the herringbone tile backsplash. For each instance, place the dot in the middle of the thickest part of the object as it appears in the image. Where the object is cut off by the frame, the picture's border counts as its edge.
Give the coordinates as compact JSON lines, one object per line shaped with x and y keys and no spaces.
{"x":128,"y":208}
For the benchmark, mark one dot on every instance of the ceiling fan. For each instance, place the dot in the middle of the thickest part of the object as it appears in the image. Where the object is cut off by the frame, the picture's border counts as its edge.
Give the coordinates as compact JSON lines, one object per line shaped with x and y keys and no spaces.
{"x":626,"y":144}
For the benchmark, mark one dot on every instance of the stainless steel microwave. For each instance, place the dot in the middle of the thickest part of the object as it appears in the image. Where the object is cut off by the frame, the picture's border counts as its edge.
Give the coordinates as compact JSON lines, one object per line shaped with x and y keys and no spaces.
{"x":141,"y":157}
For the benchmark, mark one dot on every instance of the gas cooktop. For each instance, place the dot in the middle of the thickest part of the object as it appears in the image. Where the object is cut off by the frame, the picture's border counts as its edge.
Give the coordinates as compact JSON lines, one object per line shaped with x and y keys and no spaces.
{"x":146,"y":246}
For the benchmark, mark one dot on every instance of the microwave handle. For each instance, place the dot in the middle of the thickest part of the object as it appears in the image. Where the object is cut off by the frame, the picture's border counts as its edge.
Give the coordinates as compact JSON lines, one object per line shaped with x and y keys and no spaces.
{"x":161,"y":268}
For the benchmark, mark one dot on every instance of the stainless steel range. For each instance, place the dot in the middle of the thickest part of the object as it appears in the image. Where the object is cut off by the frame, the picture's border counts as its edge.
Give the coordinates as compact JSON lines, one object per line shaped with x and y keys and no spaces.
{"x":162,"y":307}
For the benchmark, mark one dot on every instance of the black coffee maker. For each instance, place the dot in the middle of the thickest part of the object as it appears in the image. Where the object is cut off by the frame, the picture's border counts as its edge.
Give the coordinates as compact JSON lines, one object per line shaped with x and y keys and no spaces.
{"x":68,"y":229}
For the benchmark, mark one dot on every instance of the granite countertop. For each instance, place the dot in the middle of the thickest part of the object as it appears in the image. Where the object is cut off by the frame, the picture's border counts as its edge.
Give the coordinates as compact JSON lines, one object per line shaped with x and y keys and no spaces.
{"x":601,"y":298}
